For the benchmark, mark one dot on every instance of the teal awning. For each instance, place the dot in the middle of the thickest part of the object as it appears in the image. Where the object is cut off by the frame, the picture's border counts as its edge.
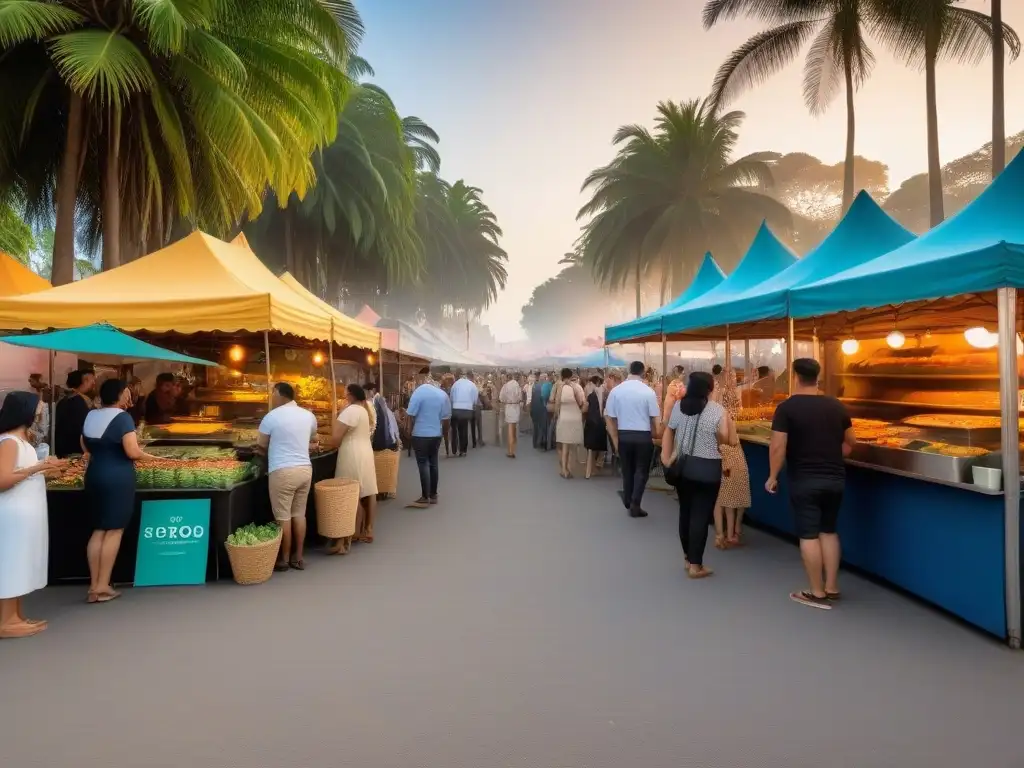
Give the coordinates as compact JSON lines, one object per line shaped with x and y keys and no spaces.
{"x":100,"y":340}
{"x":979,"y":249}
{"x":766,"y":258}
{"x":708,"y":276}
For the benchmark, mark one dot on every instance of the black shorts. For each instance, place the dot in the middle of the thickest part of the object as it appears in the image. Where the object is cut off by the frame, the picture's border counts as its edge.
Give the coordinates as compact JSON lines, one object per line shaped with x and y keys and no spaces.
{"x":815,"y":506}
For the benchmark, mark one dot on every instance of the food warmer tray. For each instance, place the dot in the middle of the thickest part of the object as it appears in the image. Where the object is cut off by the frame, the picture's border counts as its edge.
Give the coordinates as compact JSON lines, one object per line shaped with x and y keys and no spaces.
{"x":954,"y":469}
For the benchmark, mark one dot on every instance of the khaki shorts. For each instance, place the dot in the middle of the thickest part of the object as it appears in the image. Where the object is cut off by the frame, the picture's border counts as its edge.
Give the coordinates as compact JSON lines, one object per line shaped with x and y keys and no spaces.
{"x":289,"y":490}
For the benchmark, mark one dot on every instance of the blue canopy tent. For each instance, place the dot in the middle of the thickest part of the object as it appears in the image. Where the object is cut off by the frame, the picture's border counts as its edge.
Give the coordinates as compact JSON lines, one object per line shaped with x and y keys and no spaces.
{"x":100,"y":341}
{"x":765,"y":259}
{"x":979,"y":249}
{"x":599,"y":358}
{"x":865,"y":232}
{"x":648,"y":327}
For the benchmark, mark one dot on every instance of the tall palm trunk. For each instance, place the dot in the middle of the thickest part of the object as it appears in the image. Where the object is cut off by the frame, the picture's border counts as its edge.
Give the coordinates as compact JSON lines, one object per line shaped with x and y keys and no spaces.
{"x":931,"y":104}
{"x":112,"y":196}
{"x":289,"y":244}
{"x":63,"y":266}
{"x":638,"y":287}
{"x":851,"y":131}
{"x":998,"y":95}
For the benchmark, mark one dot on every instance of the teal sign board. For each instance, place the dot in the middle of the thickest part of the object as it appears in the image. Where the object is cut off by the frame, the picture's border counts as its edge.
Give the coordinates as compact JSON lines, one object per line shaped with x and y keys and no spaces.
{"x":174,"y":541}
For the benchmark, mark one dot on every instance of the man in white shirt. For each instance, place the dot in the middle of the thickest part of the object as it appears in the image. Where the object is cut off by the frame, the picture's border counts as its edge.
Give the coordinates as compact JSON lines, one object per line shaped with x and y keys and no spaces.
{"x":287,"y":436}
{"x":464,"y":397}
{"x":632,"y":415}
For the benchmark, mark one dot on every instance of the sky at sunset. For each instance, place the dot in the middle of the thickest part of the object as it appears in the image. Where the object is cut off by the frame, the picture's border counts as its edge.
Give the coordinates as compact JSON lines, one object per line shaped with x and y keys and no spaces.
{"x":526,"y":95}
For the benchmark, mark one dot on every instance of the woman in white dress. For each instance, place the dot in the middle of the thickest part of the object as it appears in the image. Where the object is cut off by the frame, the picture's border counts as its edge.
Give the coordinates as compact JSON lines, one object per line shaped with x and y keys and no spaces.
{"x":570,"y":405}
{"x":24,"y":533}
{"x":353,"y":437}
{"x":511,"y":397}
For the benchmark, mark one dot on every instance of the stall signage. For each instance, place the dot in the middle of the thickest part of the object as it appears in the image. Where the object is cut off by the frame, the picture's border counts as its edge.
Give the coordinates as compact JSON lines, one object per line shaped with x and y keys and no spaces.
{"x":174,"y":541}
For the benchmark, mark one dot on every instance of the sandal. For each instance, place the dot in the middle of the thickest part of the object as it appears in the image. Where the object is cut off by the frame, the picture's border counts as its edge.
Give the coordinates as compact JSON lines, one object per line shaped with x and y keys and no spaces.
{"x":20,"y":630}
{"x":106,"y":597}
{"x":280,"y":567}
{"x":833,"y":596}
{"x":734,"y":541}
{"x":298,"y":565}
{"x":720,"y":542}
{"x":700,"y":573}
{"x":92,"y":597}
{"x":338,"y":549}
{"x":807,"y":598}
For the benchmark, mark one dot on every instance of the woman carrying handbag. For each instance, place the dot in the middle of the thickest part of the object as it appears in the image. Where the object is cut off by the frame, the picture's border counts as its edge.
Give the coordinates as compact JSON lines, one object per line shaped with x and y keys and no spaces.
{"x":693,"y":464}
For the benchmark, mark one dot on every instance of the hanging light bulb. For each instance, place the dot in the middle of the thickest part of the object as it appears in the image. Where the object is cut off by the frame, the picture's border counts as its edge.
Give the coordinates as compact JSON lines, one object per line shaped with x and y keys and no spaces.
{"x":850,"y":346}
{"x":318,"y":358}
{"x":236,"y":354}
{"x":895,"y":339}
{"x":981,"y":338}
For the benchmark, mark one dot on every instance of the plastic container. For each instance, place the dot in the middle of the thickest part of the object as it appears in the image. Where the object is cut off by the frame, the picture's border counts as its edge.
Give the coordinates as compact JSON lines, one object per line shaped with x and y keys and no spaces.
{"x":987,"y":477}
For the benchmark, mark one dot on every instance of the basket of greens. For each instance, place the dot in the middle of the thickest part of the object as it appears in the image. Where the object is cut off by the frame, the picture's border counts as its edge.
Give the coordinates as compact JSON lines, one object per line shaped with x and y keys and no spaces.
{"x":252,"y":552}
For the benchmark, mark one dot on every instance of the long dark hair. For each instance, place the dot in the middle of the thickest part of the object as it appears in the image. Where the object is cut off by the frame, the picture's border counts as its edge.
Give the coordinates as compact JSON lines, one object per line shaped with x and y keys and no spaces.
{"x":357,"y":392}
{"x":698,"y":390}
{"x":18,"y":411}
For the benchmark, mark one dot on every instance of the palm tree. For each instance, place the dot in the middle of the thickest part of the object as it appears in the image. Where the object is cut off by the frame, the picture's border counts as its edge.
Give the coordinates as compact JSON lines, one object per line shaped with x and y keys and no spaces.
{"x":673,"y":194}
{"x":421,"y":139}
{"x":359,"y":216}
{"x":922,"y":32}
{"x":839,"y":53}
{"x":998,"y":90}
{"x":131,"y":115}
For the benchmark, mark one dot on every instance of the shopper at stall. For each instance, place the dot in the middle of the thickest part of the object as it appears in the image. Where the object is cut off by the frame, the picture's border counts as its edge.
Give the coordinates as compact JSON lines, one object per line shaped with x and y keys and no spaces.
{"x":352,"y":437}
{"x":764,"y":385}
{"x":692,"y":459}
{"x":71,"y":412}
{"x":570,"y":405}
{"x":464,"y":398}
{"x":595,"y":433}
{"x":734,"y":495}
{"x":162,"y":402}
{"x":24,"y":537}
{"x":811,"y":435}
{"x":431,"y":411}
{"x":511,"y":397}
{"x":632,"y":416}
{"x":539,"y":411}
{"x":109,"y":441}
{"x":287,"y":435}
{"x":676,"y":389}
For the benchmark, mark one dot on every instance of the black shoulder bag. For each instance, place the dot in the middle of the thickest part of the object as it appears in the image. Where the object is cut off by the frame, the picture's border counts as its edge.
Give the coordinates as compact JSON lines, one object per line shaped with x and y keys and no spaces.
{"x":697,"y":469}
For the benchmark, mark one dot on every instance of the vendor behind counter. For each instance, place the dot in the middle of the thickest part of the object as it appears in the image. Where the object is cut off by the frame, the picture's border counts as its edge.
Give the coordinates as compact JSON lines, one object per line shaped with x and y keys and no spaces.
{"x":72,"y":411}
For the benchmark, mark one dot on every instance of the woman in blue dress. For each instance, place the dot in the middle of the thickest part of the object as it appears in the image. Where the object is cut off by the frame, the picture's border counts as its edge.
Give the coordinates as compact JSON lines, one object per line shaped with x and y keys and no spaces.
{"x":112,"y":447}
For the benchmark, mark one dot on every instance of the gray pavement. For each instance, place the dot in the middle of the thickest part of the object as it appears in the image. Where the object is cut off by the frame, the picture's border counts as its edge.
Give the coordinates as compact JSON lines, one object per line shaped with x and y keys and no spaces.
{"x":526,"y":622}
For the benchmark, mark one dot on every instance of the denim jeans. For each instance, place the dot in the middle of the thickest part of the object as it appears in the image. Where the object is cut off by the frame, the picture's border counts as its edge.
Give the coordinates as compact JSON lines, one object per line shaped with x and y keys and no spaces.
{"x":426,"y":450}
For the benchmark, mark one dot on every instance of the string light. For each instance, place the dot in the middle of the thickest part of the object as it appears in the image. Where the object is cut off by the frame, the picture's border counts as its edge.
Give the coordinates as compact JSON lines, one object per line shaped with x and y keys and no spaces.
{"x":981,"y":338}
{"x":895,"y":339}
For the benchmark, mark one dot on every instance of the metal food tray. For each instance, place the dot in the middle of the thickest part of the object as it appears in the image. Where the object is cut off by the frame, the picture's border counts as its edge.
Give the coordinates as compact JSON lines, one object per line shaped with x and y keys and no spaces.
{"x":955,"y":469}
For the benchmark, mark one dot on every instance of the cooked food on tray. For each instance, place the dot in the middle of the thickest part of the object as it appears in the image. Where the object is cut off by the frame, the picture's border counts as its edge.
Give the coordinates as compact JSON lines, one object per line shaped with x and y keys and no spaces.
{"x":968,"y":399}
{"x":953,"y":421}
{"x":756,"y":413}
{"x":958,"y":451}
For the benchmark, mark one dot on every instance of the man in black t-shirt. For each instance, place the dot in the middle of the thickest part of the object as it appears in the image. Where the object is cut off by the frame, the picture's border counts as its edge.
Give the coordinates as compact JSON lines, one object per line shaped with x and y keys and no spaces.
{"x":71,"y":413}
{"x":811,"y":435}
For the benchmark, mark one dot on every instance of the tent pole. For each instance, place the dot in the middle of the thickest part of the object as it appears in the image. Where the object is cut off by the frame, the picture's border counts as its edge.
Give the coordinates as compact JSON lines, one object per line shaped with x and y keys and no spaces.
{"x":746,"y":362}
{"x":334,"y":383}
{"x":266,"y":355}
{"x":380,"y":371}
{"x":53,"y":407}
{"x":664,"y":369}
{"x":789,"y":355}
{"x":728,"y":350}
{"x":1009,"y":406}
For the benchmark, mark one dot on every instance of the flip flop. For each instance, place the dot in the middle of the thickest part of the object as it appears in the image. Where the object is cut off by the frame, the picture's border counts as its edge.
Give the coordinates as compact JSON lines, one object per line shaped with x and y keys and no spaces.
{"x":280,"y":567}
{"x":106,"y":597}
{"x":703,"y":573}
{"x":298,"y":565}
{"x":806,"y":598}
{"x":834,"y":596}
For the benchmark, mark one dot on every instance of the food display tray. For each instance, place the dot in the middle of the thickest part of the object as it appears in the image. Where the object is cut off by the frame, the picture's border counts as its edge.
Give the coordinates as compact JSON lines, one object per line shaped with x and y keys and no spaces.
{"x":955,"y":469}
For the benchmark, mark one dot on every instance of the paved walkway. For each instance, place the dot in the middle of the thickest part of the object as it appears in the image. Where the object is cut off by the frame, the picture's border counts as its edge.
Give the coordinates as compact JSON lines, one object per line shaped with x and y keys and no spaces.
{"x":527,"y":622}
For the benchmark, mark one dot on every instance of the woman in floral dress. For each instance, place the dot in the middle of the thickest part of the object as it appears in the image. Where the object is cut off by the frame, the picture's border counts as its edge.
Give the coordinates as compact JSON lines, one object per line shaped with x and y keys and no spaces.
{"x":734,"y":495}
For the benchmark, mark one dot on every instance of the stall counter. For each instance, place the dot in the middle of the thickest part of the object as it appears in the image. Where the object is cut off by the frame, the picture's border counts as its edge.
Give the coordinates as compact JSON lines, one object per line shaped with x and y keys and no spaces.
{"x":231,"y":508}
{"x":939,"y":541}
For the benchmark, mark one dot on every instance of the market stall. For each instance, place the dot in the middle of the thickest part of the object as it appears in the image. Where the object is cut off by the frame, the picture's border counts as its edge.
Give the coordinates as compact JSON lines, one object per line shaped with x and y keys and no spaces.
{"x":906,"y":341}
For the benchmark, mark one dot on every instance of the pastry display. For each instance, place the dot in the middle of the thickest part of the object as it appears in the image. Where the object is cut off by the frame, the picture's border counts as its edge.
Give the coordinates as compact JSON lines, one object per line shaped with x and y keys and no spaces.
{"x":953,"y":421}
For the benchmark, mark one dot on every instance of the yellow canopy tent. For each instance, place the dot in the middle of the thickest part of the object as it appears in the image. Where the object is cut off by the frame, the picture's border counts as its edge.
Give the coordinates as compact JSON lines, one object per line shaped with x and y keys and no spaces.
{"x":16,"y":278}
{"x":346,"y":330}
{"x":198,"y":284}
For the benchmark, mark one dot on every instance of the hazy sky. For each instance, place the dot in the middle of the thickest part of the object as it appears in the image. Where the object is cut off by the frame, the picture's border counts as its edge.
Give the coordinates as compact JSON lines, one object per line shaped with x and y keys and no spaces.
{"x":526,"y":95}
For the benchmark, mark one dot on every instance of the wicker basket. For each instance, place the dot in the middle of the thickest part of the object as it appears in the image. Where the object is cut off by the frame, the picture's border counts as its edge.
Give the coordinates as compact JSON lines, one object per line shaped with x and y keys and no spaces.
{"x":337,"y":502}
{"x":386,"y":465}
{"x":255,"y":564}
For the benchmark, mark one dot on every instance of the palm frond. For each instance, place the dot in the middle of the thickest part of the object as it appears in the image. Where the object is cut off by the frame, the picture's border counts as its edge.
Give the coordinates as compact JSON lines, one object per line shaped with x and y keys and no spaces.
{"x":24,"y":20}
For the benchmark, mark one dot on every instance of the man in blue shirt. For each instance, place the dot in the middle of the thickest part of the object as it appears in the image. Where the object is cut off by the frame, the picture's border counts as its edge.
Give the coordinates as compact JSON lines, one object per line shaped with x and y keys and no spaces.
{"x":429,"y":408}
{"x":464,"y":397}
{"x":632,"y":415}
